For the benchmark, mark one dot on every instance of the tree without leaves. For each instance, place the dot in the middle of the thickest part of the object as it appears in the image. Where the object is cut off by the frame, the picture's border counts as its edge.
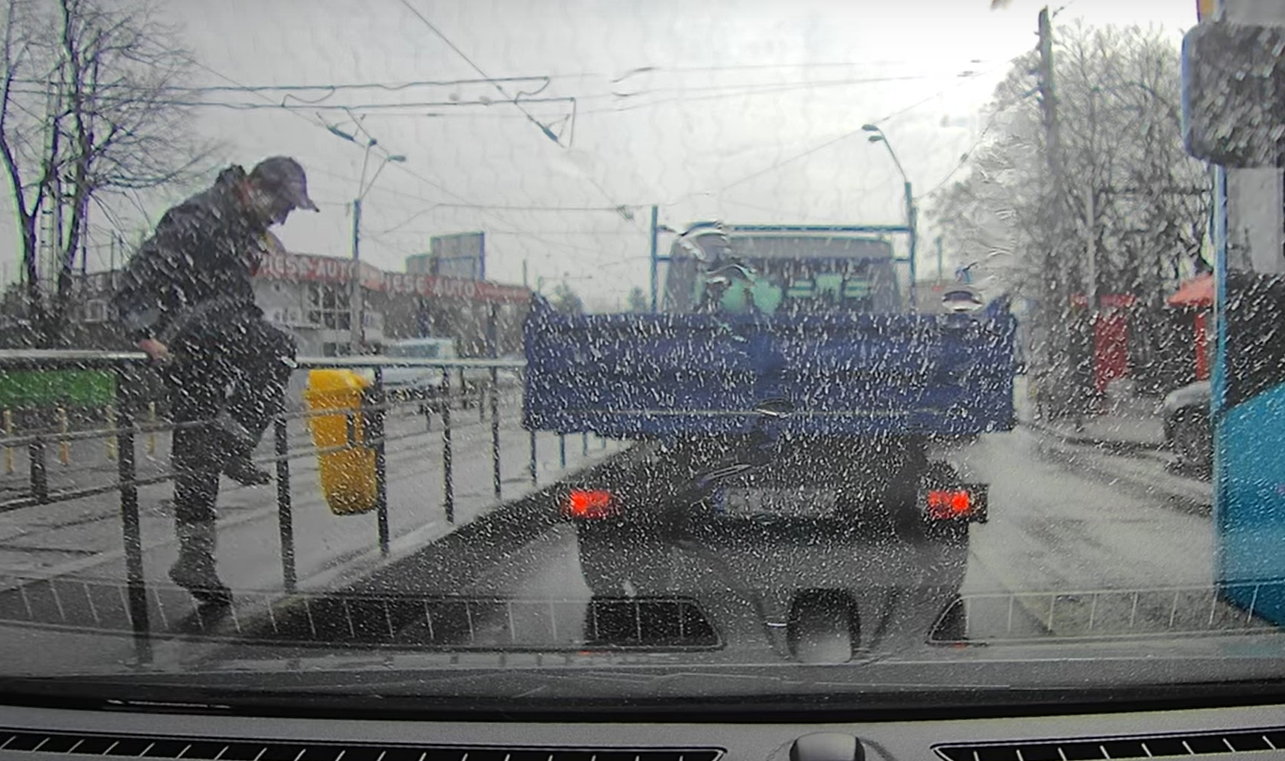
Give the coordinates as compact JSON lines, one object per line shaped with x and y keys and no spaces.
{"x":1122,"y":153}
{"x":86,"y":113}
{"x":566,"y":300}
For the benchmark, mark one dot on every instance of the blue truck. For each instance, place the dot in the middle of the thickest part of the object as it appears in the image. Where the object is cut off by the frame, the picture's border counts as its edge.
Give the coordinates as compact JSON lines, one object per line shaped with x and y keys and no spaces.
{"x":785,"y":384}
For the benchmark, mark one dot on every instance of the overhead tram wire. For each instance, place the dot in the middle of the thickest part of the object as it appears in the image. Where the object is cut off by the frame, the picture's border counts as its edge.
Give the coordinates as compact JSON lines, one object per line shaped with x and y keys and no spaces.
{"x":963,"y":160}
{"x":715,"y":92}
{"x":845,"y":136}
{"x":495,"y":83}
{"x":463,"y":201}
{"x":514,"y":100}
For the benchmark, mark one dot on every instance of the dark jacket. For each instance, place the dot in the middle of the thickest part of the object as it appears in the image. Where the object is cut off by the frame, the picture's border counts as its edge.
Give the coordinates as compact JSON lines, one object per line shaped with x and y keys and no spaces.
{"x":196,"y":269}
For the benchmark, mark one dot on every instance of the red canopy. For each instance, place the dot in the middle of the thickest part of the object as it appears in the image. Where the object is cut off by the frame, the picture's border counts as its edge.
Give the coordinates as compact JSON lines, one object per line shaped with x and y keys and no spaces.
{"x":1196,"y":292}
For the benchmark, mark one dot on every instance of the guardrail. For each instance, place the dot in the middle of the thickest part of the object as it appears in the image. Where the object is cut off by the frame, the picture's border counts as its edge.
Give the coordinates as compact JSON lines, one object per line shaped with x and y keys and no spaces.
{"x":124,"y":427}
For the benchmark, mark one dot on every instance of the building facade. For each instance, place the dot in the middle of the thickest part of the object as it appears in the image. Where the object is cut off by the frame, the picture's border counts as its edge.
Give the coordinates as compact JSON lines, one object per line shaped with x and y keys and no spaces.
{"x":309,"y":296}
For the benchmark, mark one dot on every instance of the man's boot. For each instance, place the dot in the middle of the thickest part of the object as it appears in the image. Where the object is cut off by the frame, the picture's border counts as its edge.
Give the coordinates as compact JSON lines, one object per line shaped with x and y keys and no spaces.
{"x":241,"y":468}
{"x":194,"y":570}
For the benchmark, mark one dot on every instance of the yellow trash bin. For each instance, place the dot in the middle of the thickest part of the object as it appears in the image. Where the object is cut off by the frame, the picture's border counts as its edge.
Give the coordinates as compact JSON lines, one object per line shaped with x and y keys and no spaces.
{"x":347,"y":475}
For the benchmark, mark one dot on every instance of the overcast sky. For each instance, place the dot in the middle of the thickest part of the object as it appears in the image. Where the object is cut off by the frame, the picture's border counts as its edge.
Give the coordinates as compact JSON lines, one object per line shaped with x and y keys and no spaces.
{"x":701,"y":107}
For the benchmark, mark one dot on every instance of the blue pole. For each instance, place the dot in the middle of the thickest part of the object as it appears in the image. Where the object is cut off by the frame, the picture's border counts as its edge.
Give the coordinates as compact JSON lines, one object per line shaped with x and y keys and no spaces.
{"x":1218,"y":373}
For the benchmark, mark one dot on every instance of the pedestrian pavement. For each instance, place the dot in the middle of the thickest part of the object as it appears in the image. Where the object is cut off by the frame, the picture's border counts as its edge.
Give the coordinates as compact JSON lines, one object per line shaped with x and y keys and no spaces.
{"x":1124,"y":420}
{"x":82,"y":538}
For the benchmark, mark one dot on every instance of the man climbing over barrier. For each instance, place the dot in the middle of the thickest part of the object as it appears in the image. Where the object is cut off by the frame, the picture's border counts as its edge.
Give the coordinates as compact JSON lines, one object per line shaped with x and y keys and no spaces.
{"x":187,"y":300}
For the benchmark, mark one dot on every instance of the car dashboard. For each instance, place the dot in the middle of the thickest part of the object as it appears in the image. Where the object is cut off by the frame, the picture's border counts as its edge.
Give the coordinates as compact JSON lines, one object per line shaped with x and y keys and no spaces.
{"x":168,"y":732}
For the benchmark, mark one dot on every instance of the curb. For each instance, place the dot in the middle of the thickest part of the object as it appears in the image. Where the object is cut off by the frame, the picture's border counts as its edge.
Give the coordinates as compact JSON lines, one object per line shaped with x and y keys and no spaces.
{"x":1116,"y":445}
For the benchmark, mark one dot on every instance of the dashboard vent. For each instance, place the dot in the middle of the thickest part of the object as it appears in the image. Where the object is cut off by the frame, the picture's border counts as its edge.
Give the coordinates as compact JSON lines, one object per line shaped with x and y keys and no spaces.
{"x":1157,"y":746}
{"x":211,"y":749}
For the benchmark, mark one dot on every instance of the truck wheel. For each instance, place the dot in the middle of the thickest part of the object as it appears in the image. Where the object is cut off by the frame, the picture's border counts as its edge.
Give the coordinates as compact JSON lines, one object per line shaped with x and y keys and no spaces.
{"x":822,"y":627}
{"x":902,"y":492}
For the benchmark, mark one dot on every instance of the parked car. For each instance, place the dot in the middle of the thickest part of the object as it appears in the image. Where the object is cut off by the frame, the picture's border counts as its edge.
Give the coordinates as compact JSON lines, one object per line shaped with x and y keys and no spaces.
{"x":1187,"y":427}
{"x":417,"y":382}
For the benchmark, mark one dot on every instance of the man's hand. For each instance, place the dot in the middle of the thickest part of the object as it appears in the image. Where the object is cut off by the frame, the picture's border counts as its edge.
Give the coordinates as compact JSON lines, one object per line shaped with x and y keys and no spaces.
{"x":154,"y":349}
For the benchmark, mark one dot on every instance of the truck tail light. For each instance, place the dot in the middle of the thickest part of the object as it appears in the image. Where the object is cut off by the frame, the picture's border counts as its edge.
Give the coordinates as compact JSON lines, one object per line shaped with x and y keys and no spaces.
{"x":589,"y":504}
{"x":956,"y":503}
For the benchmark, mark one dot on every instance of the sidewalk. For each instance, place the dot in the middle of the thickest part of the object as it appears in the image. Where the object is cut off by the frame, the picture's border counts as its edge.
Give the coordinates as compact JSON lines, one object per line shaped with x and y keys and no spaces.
{"x":82,"y":538}
{"x":1126,"y":422}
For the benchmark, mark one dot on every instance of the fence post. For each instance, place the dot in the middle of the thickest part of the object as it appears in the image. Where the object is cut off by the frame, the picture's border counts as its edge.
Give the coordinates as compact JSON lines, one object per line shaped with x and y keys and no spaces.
{"x":285,"y":510}
{"x":36,"y":453}
{"x":381,"y":463}
{"x":112,"y":445}
{"x":495,"y":433}
{"x":448,"y":478}
{"x":492,"y":350}
{"x":9,"y":466}
{"x":130,"y":526}
{"x":64,"y":446}
{"x":151,"y":429}
{"x":534,"y":465}
{"x":562,"y":450}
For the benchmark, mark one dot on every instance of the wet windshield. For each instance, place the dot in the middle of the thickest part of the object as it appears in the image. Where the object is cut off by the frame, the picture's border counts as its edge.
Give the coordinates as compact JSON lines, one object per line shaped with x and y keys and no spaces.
{"x":887,"y":344}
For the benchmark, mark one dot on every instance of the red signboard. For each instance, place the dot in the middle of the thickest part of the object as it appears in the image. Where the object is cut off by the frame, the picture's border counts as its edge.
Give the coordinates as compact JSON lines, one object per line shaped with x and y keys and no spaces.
{"x":1110,"y":349}
{"x":317,"y":269}
{"x":330,"y":269}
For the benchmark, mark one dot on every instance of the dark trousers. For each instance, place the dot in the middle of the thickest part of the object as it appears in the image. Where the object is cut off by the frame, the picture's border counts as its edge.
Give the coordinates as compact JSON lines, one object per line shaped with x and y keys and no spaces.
{"x":241,"y":367}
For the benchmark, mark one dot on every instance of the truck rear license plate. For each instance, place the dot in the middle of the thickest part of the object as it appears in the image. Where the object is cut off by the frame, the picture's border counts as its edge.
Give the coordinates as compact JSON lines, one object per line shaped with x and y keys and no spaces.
{"x":784,"y":502}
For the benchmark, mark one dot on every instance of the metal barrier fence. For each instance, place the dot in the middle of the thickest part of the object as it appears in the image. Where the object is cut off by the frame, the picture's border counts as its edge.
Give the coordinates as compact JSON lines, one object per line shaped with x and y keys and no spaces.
{"x":372,"y":411}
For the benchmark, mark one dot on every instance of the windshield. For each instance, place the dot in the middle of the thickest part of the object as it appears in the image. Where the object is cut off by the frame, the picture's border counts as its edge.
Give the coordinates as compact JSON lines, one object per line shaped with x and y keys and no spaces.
{"x":820,"y":349}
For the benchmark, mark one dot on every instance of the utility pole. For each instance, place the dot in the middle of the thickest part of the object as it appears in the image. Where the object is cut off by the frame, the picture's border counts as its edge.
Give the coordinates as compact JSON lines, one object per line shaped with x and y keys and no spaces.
{"x":912,"y":214}
{"x":1091,"y":269}
{"x":940,"y":278}
{"x":655,"y":231}
{"x":1048,"y":96}
{"x":1048,"y":102}
{"x":356,"y":305}
{"x":354,"y":295}
{"x":525,"y":282}
{"x":1058,"y":293}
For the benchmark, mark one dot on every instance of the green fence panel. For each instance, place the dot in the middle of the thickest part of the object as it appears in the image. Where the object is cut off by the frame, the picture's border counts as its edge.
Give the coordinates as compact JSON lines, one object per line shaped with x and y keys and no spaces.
{"x":27,"y":389}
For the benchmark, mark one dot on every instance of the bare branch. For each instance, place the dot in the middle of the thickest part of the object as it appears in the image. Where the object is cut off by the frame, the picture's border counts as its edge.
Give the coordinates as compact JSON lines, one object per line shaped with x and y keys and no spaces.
{"x":87,"y":116}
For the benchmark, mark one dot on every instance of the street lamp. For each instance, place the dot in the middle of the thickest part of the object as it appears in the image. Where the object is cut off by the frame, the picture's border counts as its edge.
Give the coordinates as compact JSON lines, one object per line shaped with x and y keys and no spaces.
{"x":356,"y":303}
{"x":912,"y":214}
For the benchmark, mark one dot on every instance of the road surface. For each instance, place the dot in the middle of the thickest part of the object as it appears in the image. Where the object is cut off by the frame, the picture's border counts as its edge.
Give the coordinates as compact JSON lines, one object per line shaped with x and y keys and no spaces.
{"x":1080,"y":542}
{"x":1074,"y":532}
